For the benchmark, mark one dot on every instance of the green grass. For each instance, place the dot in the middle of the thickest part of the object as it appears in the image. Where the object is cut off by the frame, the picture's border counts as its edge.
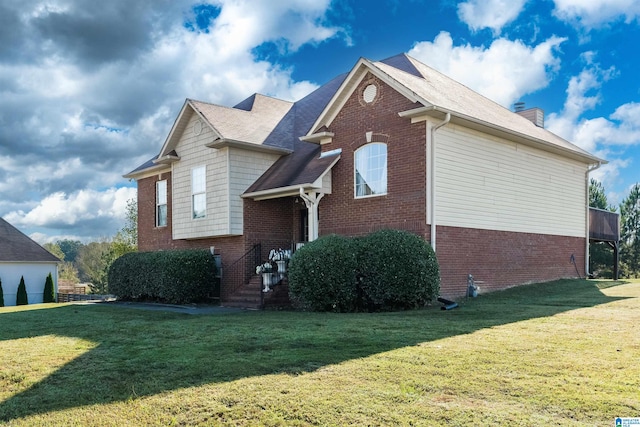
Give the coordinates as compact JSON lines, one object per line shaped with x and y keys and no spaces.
{"x":563,"y":353}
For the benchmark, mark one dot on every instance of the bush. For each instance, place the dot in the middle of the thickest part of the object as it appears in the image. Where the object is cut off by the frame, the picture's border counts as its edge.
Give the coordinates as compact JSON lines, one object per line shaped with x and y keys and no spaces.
{"x":48,"y":295}
{"x":399,"y":270}
{"x":1,"y":295}
{"x":175,"y":277}
{"x":322,"y":275}
{"x":386,"y":270}
{"x":22,"y":298}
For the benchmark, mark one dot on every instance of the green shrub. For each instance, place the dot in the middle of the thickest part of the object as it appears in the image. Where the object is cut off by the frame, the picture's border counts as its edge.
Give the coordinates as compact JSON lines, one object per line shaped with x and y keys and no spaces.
{"x":48,"y":295}
{"x":386,"y":270}
{"x":399,"y":270}
{"x":176,"y":277}
{"x":22,"y":298}
{"x":322,"y":275}
{"x":1,"y":295}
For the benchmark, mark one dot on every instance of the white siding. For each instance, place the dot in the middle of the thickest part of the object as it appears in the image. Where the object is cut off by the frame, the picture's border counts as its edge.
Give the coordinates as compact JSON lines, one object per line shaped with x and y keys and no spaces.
{"x":245,"y":167}
{"x":489,"y":183}
{"x":35,"y":275}
{"x":230,"y":171}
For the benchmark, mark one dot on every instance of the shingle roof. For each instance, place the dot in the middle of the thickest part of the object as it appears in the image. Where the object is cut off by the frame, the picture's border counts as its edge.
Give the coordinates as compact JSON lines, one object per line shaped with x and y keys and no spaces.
{"x":18,"y":247}
{"x":303,"y":165}
{"x":252,"y":126}
{"x":436,"y":89}
{"x":278,"y":124}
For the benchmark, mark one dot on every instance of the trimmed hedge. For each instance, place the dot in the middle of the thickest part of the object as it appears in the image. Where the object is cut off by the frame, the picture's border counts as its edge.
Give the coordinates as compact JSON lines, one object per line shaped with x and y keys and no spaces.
{"x":175,"y":277}
{"x":386,"y":270}
{"x":322,"y":275}
{"x":22,"y":297}
{"x":48,"y":295}
{"x":399,"y":270}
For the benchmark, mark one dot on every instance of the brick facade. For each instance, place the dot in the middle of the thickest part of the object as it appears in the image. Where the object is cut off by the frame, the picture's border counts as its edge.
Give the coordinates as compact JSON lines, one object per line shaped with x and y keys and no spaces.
{"x":404,"y":205}
{"x":499,"y":259}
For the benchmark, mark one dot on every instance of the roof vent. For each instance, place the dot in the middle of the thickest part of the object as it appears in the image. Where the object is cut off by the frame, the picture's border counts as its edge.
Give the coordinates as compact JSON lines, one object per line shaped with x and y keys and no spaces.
{"x":534,"y":115}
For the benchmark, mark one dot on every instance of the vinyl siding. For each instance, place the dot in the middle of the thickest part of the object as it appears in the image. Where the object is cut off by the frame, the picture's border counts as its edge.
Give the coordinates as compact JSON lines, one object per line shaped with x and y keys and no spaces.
{"x":488,"y":183}
{"x":35,"y":276}
{"x":193,"y":153}
{"x":244,"y":168}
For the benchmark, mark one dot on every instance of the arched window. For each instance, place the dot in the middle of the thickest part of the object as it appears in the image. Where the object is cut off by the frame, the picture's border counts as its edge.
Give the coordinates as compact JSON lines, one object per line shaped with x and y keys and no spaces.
{"x":371,"y":170}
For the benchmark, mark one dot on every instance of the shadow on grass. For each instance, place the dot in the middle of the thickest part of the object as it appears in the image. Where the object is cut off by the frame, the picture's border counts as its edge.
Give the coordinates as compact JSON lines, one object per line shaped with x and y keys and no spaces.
{"x":141,"y":353}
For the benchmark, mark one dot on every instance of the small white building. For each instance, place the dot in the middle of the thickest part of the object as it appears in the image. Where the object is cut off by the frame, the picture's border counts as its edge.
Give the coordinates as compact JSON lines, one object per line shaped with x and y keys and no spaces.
{"x":20,"y":256}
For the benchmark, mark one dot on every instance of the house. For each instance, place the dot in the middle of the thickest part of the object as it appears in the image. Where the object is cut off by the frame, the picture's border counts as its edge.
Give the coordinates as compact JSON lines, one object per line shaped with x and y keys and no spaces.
{"x":22,"y":257}
{"x":390,"y":144}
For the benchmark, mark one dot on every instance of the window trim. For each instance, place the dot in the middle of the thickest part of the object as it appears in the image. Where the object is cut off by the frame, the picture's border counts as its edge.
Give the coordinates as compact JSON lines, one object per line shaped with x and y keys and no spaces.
{"x":385,"y":169}
{"x":159,"y":203}
{"x":202,"y":192}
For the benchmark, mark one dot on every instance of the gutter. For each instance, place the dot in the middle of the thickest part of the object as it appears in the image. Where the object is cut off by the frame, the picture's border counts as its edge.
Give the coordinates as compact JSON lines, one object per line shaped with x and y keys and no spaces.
{"x":590,"y":169}
{"x":432,"y":174}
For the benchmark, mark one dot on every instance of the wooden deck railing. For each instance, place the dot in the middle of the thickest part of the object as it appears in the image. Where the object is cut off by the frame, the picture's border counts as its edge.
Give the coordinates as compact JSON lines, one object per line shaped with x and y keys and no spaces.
{"x":604,"y":226}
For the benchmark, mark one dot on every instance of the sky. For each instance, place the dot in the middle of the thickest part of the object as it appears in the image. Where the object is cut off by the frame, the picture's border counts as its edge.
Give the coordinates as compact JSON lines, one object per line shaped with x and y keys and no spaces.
{"x":90,"y":90}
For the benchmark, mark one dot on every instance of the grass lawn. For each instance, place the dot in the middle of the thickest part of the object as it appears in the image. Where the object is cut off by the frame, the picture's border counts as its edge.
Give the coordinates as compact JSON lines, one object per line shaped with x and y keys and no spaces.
{"x":564,"y":353}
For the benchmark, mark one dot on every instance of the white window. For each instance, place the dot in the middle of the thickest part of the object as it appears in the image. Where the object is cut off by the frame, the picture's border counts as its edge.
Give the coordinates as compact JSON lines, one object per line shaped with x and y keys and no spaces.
{"x":199,"y":191}
{"x":161,"y":203}
{"x":371,"y":170}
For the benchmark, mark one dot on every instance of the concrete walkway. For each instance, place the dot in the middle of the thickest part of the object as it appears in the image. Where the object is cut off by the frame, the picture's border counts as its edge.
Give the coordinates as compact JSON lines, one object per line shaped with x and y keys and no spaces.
{"x":174,"y":308}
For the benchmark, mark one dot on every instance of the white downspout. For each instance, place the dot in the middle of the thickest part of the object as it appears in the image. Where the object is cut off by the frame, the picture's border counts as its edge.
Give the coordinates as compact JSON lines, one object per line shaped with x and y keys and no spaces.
{"x":586,"y":252}
{"x":433,"y":179}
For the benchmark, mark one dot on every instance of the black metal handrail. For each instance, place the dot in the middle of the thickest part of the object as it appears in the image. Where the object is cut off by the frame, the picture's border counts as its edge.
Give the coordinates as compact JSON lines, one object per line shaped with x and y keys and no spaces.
{"x":240,"y":272}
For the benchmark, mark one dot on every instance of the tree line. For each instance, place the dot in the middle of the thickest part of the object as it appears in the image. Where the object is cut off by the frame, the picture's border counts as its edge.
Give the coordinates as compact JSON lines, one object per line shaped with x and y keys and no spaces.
{"x":90,"y":262}
{"x":600,"y":254}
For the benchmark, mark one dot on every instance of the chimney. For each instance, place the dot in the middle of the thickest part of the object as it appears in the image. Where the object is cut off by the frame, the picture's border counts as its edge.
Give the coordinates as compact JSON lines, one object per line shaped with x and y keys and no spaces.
{"x":534,"y":115}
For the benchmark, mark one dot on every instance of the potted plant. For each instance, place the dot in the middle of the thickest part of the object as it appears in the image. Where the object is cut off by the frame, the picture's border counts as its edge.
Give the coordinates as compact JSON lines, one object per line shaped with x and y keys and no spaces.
{"x":266,"y":270}
{"x":280,"y":256}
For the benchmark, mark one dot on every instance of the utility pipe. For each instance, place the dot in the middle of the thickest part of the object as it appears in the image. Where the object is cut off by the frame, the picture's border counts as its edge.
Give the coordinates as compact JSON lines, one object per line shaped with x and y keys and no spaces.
{"x":586,"y":252}
{"x":432,"y":175}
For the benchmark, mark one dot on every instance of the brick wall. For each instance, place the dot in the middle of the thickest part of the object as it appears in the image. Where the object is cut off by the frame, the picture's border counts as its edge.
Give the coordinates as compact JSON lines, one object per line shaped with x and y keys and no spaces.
{"x":502,"y":259}
{"x":404,"y":206}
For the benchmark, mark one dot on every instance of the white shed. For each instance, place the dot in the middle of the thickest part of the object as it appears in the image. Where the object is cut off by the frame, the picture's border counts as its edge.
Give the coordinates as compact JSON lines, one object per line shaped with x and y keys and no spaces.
{"x":20,"y":256}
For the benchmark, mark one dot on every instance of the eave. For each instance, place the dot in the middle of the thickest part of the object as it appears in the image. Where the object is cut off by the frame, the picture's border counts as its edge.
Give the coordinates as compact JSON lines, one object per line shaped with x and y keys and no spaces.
{"x":150,"y":171}
{"x":433,"y":111}
{"x":224,"y":142}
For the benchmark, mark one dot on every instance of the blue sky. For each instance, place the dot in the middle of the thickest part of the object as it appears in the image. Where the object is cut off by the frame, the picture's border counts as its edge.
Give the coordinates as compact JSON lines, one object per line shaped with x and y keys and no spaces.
{"x":90,"y":90}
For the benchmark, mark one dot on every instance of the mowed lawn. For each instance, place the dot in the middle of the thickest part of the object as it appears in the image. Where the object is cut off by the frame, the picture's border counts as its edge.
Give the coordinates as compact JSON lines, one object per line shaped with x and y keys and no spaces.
{"x":563,"y":353}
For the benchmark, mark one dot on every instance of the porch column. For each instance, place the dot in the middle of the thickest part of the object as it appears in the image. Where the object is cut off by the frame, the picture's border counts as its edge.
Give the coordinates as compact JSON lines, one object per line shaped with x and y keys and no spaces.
{"x":311,"y":200}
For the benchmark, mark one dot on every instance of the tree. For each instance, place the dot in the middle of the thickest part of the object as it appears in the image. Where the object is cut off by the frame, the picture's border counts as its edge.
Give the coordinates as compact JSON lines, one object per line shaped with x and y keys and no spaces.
{"x":600,"y":253}
{"x":54,"y":248}
{"x":129,"y":233}
{"x":68,"y":273}
{"x":22,"y":298}
{"x":93,"y":265}
{"x":630,"y":231}
{"x":597,"y":196}
{"x":1,"y":295}
{"x":48,"y":295}
{"x":70,"y":249}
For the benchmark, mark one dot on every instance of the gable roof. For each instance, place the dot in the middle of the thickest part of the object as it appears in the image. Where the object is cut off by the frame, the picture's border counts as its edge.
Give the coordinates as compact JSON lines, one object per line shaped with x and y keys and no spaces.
{"x":16,"y":246}
{"x":435,"y":94}
{"x":268,"y":124}
{"x":248,"y":125}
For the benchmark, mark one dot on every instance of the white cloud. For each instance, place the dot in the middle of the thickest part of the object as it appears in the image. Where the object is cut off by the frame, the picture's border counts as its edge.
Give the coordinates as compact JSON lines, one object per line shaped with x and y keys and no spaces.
{"x":606,"y":137}
{"x":93,"y":93}
{"x":503,"y":72}
{"x":60,"y":209}
{"x":591,"y":14}
{"x":493,"y":14}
